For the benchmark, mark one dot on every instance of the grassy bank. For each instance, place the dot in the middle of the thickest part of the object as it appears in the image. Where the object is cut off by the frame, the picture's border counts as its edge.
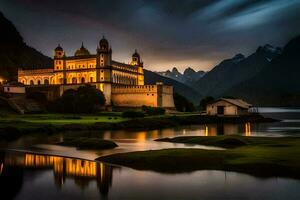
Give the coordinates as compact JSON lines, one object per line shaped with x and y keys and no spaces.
{"x":88,"y":143}
{"x":259,"y":156}
{"x":12,"y":126}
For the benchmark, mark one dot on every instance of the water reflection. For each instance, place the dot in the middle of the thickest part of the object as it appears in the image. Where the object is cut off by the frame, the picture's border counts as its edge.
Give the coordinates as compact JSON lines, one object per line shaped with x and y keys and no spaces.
{"x":199,"y":130}
{"x":81,"y":171}
{"x":31,"y":176}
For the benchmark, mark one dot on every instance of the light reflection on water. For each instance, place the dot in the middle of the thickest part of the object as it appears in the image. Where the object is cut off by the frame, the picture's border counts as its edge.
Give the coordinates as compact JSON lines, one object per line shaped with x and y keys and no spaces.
{"x":31,"y":176}
{"x":144,"y":140}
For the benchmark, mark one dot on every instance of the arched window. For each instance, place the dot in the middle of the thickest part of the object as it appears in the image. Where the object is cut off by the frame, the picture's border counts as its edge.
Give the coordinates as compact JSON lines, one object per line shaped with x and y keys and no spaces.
{"x":39,"y":82}
{"x":74,"y":80}
{"x":46,"y":82}
{"x":82,"y":80}
{"x":31,"y":82}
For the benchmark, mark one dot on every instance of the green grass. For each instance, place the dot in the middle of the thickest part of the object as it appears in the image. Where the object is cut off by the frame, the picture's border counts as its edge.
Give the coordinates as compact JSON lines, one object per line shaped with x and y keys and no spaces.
{"x":259,"y":156}
{"x":61,"y":119}
{"x":88,"y":143}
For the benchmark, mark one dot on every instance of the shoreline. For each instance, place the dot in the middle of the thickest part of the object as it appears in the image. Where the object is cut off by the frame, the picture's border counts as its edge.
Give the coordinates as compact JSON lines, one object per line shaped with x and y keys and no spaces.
{"x":13,"y":129}
{"x":257,"y":156}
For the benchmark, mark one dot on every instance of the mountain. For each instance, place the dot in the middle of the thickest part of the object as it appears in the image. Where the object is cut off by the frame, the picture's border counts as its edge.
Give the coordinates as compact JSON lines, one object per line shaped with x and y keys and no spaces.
{"x":234,"y":71}
{"x":14,"y":52}
{"x":180,"y":88}
{"x":191,"y":76}
{"x":188,"y":77}
{"x":278,"y":83}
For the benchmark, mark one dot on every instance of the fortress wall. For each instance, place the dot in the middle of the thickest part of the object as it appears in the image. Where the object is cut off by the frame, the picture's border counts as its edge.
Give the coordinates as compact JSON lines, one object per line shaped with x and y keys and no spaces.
{"x":167,"y":97}
{"x":137,"y":96}
{"x":134,"y":100}
{"x":134,"y":96}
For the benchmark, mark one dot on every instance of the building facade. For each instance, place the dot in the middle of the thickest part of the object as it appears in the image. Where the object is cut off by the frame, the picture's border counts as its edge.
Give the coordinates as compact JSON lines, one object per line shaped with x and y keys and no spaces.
{"x":122,"y":84}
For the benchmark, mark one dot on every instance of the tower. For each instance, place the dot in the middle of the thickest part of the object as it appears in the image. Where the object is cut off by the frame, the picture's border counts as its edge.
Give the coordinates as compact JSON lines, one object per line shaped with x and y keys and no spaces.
{"x":136,"y":60}
{"x":104,"y":69}
{"x":59,"y":65}
{"x":104,"y":52}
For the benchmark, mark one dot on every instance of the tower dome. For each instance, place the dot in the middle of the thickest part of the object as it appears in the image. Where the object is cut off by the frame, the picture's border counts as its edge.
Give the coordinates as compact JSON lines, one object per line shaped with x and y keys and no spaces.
{"x":136,"y":59}
{"x":103,"y":44}
{"x":82,"y":51}
{"x":136,"y":54}
{"x":58,"y":48}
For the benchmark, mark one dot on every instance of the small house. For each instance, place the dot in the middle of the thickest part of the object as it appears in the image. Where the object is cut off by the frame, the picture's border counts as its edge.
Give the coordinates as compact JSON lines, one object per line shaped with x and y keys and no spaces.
{"x":228,"y":107}
{"x":14,"y":88}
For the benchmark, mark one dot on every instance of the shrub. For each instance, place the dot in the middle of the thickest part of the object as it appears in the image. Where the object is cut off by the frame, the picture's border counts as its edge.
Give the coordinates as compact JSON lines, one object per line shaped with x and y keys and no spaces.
{"x":182,"y":104}
{"x":86,"y":99}
{"x":133,"y":114}
{"x":205,"y":101}
{"x":153,"y":110}
{"x":38,"y":96}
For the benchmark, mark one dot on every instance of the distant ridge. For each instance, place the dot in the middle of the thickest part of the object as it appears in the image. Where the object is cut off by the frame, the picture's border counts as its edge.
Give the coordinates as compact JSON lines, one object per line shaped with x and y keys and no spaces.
{"x":235,"y":70}
{"x":188,"y":77}
{"x":15,"y":53}
{"x":278,"y":83}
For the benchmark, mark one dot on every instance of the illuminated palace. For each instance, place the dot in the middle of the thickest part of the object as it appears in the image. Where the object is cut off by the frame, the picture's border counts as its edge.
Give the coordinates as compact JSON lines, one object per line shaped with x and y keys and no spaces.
{"x":122,"y":84}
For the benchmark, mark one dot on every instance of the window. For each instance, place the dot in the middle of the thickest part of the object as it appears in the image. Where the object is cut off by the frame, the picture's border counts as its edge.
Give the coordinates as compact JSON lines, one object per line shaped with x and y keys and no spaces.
{"x":91,"y":79}
{"x":82,"y":80}
{"x":31,"y":82}
{"x":46,"y":82}
{"x":74,"y":80}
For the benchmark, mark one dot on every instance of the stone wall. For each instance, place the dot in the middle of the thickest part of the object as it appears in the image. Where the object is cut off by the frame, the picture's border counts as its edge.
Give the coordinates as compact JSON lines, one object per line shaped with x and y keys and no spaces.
{"x":139,"y":95}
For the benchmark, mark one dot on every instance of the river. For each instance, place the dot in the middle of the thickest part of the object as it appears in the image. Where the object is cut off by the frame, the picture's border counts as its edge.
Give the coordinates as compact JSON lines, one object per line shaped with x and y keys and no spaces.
{"x":36,"y":168}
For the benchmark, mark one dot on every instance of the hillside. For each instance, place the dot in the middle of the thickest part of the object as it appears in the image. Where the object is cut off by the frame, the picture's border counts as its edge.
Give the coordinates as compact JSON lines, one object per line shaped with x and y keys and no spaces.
{"x":180,"y":88}
{"x":278,"y":84}
{"x":233,"y":71}
{"x":15,"y":53}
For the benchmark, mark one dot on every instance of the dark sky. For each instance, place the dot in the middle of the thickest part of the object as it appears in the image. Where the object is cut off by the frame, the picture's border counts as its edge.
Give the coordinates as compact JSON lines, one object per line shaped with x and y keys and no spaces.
{"x":181,"y":33}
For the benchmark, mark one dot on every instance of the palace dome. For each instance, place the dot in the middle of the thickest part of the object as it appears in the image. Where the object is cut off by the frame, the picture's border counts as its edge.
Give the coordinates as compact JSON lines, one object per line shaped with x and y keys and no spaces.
{"x":58,"y":48}
{"x":82,"y":51}
{"x":136,"y":54}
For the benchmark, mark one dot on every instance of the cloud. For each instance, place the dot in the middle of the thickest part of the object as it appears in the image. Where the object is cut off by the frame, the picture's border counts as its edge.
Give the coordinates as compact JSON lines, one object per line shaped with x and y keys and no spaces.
{"x":198,"y":33}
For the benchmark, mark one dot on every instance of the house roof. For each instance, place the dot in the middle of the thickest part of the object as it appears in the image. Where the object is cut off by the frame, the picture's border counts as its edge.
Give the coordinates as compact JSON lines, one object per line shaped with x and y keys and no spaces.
{"x":238,"y":102}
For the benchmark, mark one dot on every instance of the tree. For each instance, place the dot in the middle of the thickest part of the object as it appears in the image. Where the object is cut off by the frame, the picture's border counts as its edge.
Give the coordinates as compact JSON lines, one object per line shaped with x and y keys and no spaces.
{"x":86,"y":99}
{"x":182,"y":104}
{"x":205,"y":101}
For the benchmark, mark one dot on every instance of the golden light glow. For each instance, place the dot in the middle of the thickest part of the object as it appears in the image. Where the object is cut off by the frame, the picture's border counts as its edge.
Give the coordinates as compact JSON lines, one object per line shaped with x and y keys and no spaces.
{"x":248,"y":129}
{"x":206,"y":130}
{"x":141,"y":136}
{"x":80,"y":170}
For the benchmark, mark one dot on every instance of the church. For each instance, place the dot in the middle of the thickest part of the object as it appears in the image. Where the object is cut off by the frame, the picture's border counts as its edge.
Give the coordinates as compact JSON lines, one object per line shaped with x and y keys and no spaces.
{"x":122,"y":84}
